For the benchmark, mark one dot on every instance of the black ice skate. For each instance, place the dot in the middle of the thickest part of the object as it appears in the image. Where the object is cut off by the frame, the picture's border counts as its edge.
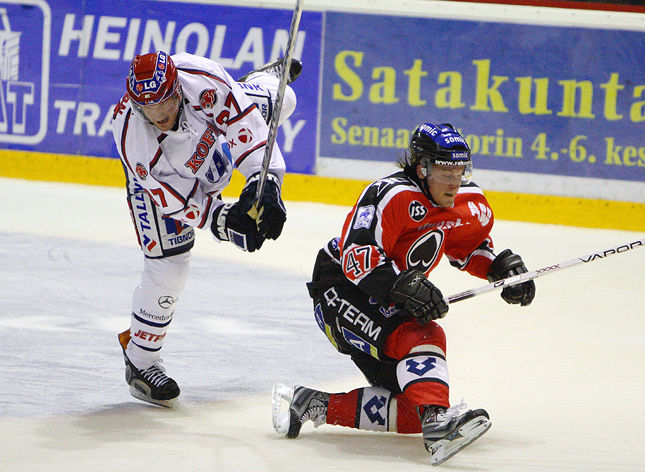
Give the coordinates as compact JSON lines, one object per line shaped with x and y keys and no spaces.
{"x":446,"y":432}
{"x":304,"y":404}
{"x":275,"y":68}
{"x":150,"y":385}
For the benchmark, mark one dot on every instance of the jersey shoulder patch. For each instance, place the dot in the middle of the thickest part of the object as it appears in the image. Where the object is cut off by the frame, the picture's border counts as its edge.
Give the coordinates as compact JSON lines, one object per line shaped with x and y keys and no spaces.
{"x":473,"y":204}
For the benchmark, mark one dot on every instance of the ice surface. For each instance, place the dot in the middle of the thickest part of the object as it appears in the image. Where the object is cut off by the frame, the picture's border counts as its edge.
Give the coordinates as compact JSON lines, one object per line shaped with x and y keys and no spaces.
{"x":563,"y":379}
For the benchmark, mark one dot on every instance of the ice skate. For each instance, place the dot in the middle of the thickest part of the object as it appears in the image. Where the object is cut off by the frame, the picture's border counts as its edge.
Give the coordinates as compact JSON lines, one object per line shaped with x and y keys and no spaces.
{"x":275,"y":68}
{"x":446,"y":432}
{"x":304,"y":404}
{"x":151,"y":385}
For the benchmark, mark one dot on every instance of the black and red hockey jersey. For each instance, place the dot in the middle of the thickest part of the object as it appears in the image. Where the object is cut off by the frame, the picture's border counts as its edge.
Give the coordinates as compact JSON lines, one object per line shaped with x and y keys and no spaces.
{"x":394,"y":226}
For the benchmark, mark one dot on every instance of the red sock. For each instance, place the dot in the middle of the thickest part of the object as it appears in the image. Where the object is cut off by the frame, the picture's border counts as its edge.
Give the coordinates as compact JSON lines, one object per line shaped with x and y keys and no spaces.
{"x":370,"y":408}
{"x":407,"y":418}
{"x":342,"y":408}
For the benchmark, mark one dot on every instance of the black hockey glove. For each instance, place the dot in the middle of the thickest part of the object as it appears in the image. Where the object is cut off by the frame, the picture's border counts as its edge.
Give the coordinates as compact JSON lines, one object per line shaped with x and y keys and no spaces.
{"x":505,"y":265}
{"x":271,"y":211}
{"x":232,"y":224}
{"x":419,"y":296}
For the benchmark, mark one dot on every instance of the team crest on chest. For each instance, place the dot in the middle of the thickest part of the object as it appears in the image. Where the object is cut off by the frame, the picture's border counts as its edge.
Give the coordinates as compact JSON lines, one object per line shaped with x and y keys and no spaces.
{"x":208,"y":98}
{"x":424,"y":251}
{"x":417,"y":211}
{"x":141,"y":171}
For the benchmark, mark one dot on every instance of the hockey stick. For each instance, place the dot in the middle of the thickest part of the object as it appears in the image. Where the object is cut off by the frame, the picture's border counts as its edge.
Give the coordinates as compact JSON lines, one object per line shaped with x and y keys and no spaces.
{"x":275,"y":116}
{"x":518,"y":279}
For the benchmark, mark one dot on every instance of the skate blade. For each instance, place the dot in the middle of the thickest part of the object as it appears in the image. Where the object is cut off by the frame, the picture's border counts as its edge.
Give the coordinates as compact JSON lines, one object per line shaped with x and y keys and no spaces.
{"x":172,"y":403}
{"x":443,"y":449}
{"x":281,"y":393}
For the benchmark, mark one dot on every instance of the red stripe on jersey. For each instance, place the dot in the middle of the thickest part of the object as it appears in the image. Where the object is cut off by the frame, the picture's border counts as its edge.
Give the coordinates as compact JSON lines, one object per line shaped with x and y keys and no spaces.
{"x":207,"y":211}
{"x":241,"y":114}
{"x":186,"y":200}
{"x":136,"y":227}
{"x":246,"y":154}
{"x":173,"y":192}
{"x":203,"y":73}
{"x":124,"y":132}
{"x":194,"y":190}
{"x":232,"y":101}
{"x":155,"y":159}
{"x":198,"y":108}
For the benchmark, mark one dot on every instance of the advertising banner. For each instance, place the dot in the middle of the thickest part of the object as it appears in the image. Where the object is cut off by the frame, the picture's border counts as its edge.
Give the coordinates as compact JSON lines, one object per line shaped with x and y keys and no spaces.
{"x":63,"y":66}
{"x":528,"y":98}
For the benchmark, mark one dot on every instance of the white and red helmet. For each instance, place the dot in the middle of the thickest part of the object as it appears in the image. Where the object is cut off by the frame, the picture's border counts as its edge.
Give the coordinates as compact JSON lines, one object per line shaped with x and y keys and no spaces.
{"x":152,"y":79}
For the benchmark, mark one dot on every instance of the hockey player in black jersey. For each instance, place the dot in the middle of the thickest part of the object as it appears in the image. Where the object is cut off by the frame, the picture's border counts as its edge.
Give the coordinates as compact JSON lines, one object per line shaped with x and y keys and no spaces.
{"x":374,"y":302}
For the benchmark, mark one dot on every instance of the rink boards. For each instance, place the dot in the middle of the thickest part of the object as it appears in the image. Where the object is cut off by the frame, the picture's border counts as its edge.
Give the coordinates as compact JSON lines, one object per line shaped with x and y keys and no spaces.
{"x":551,"y":101}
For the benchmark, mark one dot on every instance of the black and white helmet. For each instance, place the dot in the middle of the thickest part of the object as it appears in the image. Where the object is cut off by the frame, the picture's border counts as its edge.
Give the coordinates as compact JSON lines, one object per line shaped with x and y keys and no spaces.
{"x":441,"y":145}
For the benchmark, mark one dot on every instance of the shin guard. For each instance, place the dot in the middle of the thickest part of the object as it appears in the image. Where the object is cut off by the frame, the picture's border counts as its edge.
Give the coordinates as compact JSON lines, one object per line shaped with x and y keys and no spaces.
{"x":373,"y":409}
{"x":153,"y":306}
{"x":423,"y":378}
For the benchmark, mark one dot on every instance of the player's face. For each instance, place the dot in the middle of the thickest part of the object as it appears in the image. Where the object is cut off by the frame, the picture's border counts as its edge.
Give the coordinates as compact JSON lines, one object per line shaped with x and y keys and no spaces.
{"x":163,"y":115}
{"x":444,"y":183}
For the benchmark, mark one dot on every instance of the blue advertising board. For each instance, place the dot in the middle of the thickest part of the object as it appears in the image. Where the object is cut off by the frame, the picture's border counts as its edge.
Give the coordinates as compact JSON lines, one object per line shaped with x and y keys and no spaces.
{"x":528,"y":98}
{"x":63,"y":65}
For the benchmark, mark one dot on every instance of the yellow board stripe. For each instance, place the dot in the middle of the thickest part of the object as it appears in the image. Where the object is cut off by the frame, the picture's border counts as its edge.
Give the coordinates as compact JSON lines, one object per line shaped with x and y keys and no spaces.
{"x":589,"y":213}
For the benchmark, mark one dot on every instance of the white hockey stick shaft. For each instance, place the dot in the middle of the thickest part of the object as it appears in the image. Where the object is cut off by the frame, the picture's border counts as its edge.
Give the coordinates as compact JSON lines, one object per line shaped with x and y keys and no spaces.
{"x":518,"y":279}
{"x":275,"y":116}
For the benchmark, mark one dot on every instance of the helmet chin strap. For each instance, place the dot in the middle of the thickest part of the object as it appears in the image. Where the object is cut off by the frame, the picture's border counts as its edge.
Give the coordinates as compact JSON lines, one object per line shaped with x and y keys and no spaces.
{"x":139,"y":111}
{"x":180,"y":112}
{"x":422,"y":182}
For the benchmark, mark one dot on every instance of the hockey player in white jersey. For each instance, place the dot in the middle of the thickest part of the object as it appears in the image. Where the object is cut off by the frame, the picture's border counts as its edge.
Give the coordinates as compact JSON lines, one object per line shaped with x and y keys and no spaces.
{"x":180,"y":128}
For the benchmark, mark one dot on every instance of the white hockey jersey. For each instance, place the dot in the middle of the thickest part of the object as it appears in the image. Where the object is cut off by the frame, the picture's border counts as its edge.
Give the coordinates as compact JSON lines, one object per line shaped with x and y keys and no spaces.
{"x":185,"y":170}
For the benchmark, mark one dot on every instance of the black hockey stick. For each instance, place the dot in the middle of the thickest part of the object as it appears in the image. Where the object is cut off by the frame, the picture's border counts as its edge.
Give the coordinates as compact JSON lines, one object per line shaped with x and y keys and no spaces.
{"x":518,"y":279}
{"x":275,"y":116}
